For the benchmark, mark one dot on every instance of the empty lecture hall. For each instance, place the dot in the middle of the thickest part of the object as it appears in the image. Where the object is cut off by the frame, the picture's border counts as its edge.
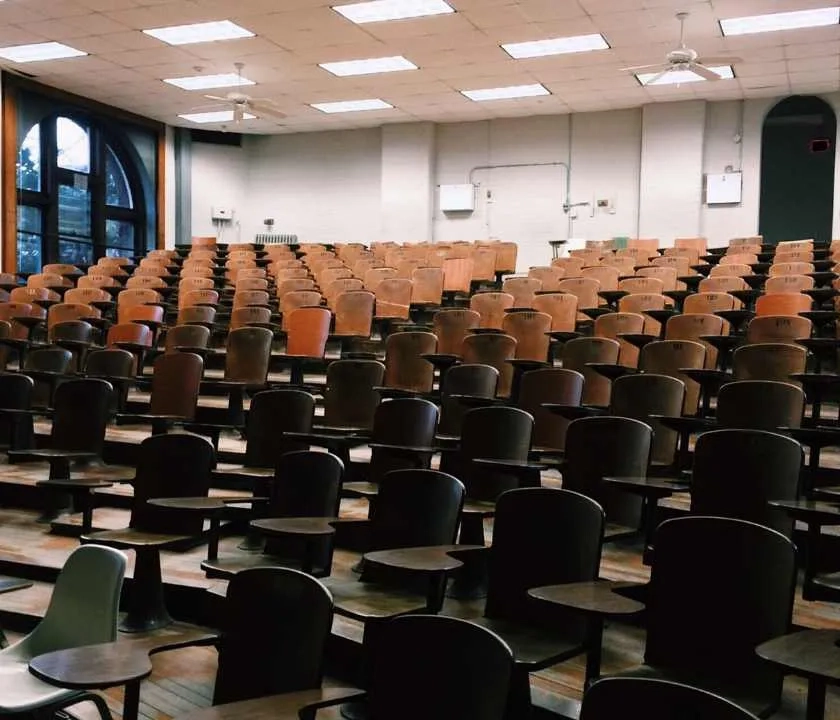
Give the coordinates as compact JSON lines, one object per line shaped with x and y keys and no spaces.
{"x":419,"y":359}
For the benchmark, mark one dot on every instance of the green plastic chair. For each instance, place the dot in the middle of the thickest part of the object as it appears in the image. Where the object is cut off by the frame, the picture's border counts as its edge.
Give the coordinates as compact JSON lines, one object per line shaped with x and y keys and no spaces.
{"x":83,"y":611}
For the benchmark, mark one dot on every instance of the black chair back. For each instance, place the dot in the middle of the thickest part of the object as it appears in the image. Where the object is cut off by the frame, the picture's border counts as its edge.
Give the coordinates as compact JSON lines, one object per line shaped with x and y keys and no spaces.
{"x":549,"y":385}
{"x":277,"y":623}
{"x":719,"y":587}
{"x":349,"y":397}
{"x":542,"y":536}
{"x":50,"y":359}
{"x":429,"y":666}
{"x":467,"y":379}
{"x":16,"y":394}
{"x":173,"y":465}
{"x":760,"y":405}
{"x":82,"y":408}
{"x":737,"y":472}
{"x":492,"y":433}
{"x":598,"y":447}
{"x":272,"y":413}
{"x":613,"y":697}
{"x":403,"y":421}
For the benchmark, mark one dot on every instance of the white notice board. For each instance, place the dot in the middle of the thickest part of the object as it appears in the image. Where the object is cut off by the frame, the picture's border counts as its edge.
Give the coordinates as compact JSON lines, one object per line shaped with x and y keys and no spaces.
{"x":723,"y":188}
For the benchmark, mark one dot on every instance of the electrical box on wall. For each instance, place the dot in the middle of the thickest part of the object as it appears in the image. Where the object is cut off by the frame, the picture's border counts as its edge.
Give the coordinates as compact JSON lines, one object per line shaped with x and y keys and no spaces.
{"x":723,"y":188}
{"x":457,"y":198}
{"x":221,"y":212}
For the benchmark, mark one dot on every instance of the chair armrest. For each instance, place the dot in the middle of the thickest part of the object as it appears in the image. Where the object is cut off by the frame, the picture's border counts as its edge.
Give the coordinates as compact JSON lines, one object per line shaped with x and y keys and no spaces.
{"x":278,"y":707}
{"x":573,"y":412}
{"x":328,"y":440}
{"x":475,"y":401}
{"x":34,"y":412}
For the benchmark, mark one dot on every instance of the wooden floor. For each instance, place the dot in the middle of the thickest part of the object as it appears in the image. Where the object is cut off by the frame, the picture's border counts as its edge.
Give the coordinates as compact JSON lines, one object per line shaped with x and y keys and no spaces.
{"x":183,"y":680}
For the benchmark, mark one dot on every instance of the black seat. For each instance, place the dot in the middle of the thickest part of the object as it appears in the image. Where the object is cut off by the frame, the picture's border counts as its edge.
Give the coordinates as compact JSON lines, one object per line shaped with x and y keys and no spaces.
{"x":541,"y":536}
{"x":276,"y":626}
{"x":656,"y":699}
{"x":598,"y":447}
{"x":719,"y":587}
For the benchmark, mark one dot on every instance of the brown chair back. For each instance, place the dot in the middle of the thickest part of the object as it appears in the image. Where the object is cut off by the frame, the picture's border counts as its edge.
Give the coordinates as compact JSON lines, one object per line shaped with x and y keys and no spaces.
{"x":450,"y":326}
{"x":393,"y":298}
{"x":562,"y":307}
{"x":491,"y":307}
{"x":612,"y":325}
{"x":703,"y":303}
{"x":778,"y":329}
{"x":354,"y":313}
{"x":523,"y":290}
{"x":427,"y":285}
{"x":768,"y":361}
{"x":309,"y":329}
{"x":405,"y":369}
{"x":297,"y":299}
{"x":667,"y":357}
{"x":175,"y":384}
{"x":639,"y":302}
{"x":782,"y":304}
{"x":248,"y":355}
{"x":578,"y":353}
{"x":530,"y":329}
{"x":693,"y":326}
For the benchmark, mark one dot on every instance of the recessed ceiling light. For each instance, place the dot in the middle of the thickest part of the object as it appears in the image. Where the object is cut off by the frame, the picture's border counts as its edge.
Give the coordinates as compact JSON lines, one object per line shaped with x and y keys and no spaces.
{"x":380,"y":10}
{"x":506,"y":93}
{"x":817,"y":17}
{"x":219,"y":116}
{"x":199,"y":32}
{"x":369,"y":67}
{"x":205,"y":82}
{"x":39,"y":51}
{"x":681,"y":77}
{"x":556,"y":46}
{"x":352,"y":106}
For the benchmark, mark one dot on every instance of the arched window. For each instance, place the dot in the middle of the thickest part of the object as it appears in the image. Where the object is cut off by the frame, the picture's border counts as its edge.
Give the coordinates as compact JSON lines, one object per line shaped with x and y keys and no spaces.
{"x":79,"y":196}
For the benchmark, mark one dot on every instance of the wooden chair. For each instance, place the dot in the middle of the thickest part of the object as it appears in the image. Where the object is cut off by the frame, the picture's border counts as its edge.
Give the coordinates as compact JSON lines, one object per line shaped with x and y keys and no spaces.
{"x":562,"y":307}
{"x":613,"y":326}
{"x":174,"y":394}
{"x":135,"y":338}
{"x":457,"y":275}
{"x":491,"y":308}
{"x":698,"y":244}
{"x":374,"y":276}
{"x":115,"y":366}
{"x":540,"y":536}
{"x":782,"y":304}
{"x":736,"y":580}
{"x":662,"y":700}
{"x":788,"y":284}
{"x":277,"y":623}
{"x":585,"y":290}
{"x":561,"y":386}
{"x":393,"y":298}
{"x":708,"y":302}
{"x":530,"y":329}
{"x":161,"y":458}
{"x":494,"y":349}
{"x":354,"y":314}
{"x":463,"y":381}
{"x":191,"y":298}
{"x":506,"y":254}
{"x":669,"y":357}
{"x":760,"y":405}
{"x":523,"y":290}
{"x":606,"y":275}
{"x":197,"y":315}
{"x":305,"y":484}
{"x":681,"y":264}
{"x":739,"y":258}
{"x":599,"y":447}
{"x":642,"y":302}
{"x":778,"y":329}
{"x":295,"y":300}
{"x":450,"y":325}
{"x":768,"y":361}
{"x":186,"y":336}
{"x":336,"y":287}
{"x":722,"y":284}
{"x":667,"y":274}
{"x":694,"y":327}
{"x":761,"y":467}
{"x":730,"y":270}
{"x":549,"y":277}
{"x":308,"y":329}
{"x":571,"y":266}
{"x":641,"y":286}
{"x":625,"y":265}
{"x":246,"y":298}
{"x":405,"y":368}
{"x":350,"y":395}
{"x":291,"y":284}
{"x":578,"y":354}
{"x":131,"y":297}
{"x":250,"y":316}
{"x":426,"y":286}
{"x":790,"y":268}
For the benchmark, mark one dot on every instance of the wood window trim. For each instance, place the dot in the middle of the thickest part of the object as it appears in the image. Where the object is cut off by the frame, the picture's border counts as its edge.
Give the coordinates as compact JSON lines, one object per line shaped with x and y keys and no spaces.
{"x":12,"y":84}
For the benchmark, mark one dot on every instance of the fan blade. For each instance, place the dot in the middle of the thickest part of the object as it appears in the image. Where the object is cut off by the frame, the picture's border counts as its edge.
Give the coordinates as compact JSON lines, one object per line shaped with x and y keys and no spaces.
{"x":712,"y":61}
{"x":216,"y":97}
{"x":210,"y":106}
{"x":261,"y":109}
{"x":656,"y":78}
{"x":704,"y":72}
{"x":638,"y":68}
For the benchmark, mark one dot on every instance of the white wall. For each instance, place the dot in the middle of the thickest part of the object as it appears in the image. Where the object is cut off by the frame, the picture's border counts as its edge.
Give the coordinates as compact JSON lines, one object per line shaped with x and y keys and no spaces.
{"x":374,"y":184}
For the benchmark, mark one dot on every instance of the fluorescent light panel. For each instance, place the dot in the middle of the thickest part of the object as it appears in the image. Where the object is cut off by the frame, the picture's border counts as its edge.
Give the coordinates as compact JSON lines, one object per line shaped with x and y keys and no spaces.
{"x":219,"y":116}
{"x":506,"y":93}
{"x":369,"y":67}
{"x":206,"y":82}
{"x":681,"y":77}
{"x":39,"y":51}
{"x":818,"y":17}
{"x":200,"y":32}
{"x":381,"y":10}
{"x":352,"y":106}
{"x":556,"y":46}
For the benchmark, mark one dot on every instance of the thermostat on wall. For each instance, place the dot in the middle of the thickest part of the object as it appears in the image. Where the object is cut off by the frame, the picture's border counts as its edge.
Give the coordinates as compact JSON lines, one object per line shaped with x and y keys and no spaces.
{"x":221,"y":212}
{"x":457,"y":198}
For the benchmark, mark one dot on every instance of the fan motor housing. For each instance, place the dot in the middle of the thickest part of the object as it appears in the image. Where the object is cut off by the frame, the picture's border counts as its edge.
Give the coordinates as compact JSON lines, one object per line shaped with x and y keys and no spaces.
{"x":682,"y":55}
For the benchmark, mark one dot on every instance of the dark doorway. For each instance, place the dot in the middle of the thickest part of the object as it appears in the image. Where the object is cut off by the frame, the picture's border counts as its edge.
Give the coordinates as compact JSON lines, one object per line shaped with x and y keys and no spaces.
{"x":797,"y":171}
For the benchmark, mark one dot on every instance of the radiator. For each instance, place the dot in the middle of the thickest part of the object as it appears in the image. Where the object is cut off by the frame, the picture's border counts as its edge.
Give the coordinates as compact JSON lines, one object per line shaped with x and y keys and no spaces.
{"x":275,"y":239}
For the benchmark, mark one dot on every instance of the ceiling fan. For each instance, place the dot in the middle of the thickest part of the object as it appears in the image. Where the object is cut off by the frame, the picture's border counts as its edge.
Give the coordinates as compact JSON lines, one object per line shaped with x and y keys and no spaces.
{"x":243,"y":104}
{"x":684,"y":59}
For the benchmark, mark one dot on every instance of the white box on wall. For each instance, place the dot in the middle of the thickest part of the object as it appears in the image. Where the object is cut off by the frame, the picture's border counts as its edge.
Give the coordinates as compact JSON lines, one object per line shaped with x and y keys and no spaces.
{"x":457,"y":198}
{"x":723,"y":188}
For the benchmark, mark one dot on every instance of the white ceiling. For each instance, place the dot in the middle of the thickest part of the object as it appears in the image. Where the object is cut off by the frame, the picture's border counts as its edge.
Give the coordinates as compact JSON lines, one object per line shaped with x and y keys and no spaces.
{"x":454,"y":52}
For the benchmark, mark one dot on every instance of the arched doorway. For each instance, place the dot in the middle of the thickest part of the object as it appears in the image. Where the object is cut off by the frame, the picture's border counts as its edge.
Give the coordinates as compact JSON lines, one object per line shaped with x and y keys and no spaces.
{"x":797,"y":170}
